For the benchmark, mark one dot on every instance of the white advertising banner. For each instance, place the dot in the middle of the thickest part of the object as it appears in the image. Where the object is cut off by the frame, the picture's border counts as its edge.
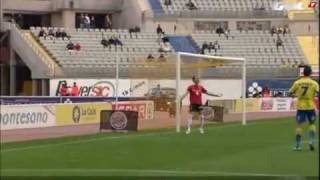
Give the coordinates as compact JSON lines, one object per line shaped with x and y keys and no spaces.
{"x":92,"y":87}
{"x":26,"y":116}
{"x":277,"y":104}
{"x":230,"y":88}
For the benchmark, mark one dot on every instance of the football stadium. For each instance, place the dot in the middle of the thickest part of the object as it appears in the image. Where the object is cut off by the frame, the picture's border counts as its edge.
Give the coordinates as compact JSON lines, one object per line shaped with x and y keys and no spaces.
{"x":159,"y":89}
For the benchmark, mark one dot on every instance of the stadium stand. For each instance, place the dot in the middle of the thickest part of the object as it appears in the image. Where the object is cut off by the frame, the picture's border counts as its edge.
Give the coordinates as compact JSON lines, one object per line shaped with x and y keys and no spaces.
{"x":228,"y":8}
{"x":93,"y":54}
{"x":258,"y":47}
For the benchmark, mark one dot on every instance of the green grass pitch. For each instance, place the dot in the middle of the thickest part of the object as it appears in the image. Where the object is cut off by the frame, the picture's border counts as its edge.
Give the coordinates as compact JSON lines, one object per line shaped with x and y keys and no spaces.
{"x":258,"y":149}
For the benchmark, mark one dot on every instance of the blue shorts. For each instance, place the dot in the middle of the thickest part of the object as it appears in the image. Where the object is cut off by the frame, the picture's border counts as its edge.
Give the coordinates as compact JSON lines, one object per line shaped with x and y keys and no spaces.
{"x":304,"y":115}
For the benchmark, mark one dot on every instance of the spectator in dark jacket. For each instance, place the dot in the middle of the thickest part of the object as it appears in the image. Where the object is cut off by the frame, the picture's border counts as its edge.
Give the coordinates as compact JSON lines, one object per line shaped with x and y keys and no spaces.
{"x":167,"y":3}
{"x":51,"y":34}
{"x":273,"y":30}
{"x":159,"y":30}
{"x":70,"y":46}
{"x":190,"y":5}
{"x":150,"y":58}
{"x":42,"y":33}
{"x":104,"y":42}
{"x":58,"y":34}
{"x":117,"y":42}
{"x":279,"y":43}
{"x":204,"y":47}
{"x":219,"y":31}
{"x":214,"y":46}
{"x":64,"y":35}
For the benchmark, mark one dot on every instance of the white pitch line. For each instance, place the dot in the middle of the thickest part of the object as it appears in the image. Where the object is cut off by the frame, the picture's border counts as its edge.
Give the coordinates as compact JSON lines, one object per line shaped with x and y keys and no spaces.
{"x":80,"y":141}
{"x":137,"y":171}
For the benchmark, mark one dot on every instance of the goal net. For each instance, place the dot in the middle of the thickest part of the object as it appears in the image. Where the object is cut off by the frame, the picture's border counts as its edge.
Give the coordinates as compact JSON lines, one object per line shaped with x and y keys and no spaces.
{"x":157,"y":84}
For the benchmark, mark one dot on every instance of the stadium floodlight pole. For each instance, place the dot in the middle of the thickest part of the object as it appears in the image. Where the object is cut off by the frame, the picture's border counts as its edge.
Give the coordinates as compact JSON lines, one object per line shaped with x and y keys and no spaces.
{"x":178,"y":78}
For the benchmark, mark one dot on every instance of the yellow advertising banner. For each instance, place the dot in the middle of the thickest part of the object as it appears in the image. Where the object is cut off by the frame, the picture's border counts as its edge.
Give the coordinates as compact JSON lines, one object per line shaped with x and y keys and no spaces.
{"x":73,"y":114}
{"x":252,"y":105}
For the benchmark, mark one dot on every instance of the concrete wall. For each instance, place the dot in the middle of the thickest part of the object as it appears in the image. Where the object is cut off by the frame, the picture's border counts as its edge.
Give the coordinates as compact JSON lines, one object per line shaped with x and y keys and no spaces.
{"x":57,"y":5}
{"x":131,"y":14}
{"x":26,"y":5}
{"x":301,"y":27}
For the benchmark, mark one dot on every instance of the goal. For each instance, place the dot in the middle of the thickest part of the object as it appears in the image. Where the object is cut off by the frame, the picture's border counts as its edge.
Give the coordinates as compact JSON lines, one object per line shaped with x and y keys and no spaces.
{"x":163,"y":80}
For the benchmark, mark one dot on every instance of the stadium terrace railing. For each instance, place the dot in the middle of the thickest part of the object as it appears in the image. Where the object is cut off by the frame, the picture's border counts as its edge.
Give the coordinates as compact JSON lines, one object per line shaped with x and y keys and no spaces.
{"x":219,"y":14}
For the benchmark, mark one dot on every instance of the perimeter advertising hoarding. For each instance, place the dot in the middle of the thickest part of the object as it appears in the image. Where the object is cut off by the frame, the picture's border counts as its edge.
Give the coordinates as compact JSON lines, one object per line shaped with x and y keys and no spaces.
{"x":114,"y":120}
{"x":26,"y":116}
{"x":145,"y":109}
{"x":75,"y":114}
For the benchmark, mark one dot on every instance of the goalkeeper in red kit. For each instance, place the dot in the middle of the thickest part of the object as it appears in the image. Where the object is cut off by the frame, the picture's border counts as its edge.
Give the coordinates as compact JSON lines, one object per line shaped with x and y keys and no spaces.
{"x":195,"y":92}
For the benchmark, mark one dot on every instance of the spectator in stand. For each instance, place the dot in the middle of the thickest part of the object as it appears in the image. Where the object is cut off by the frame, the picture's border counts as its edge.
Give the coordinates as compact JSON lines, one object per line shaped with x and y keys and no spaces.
{"x":75,"y":90}
{"x":64,"y":35}
{"x":70,"y":46}
{"x":219,"y":31}
{"x":204,"y":47}
{"x":51,"y":34}
{"x":42,"y":33}
{"x":82,"y":20}
{"x":285,"y":30}
{"x":273,"y":30}
{"x":117,"y":42}
{"x":87,"y":21}
{"x":165,"y":47}
{"x":77,"y":46}
{"x":104,"y":42}
{"x":19,"y":20}
{"x":190,"y":5}
{"x":58,"y":34}
{"x":134,"y":30}
{"x":214,"y":46}
{"x":108,"y":22}
{"x":279,"y":30}
{"x":64,"y":90}
{"x":162,"y":58}
{"x":93,"y":22}
{"x":175,"y":28}
{"x":165,"y":38}
{"x":227,"y":33}
{"x":150,"y":58}
{"x":159,"y":30}
{"x":167,"y":3}
{"x":111,"y":40}
{"x":279,"y":42}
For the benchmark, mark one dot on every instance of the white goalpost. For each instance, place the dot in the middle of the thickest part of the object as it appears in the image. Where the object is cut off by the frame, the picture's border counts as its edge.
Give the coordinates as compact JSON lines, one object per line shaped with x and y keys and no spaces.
{"x":213,"y":61}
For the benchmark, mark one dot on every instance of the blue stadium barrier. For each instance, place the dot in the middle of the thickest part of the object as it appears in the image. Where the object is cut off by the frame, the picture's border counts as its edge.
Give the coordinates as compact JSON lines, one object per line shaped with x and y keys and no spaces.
{"x":183,"y":44}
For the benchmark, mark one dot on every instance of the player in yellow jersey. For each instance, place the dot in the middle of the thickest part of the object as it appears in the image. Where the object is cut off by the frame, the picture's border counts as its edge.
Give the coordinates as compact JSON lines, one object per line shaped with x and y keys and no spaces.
{"x":305,"y":90}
